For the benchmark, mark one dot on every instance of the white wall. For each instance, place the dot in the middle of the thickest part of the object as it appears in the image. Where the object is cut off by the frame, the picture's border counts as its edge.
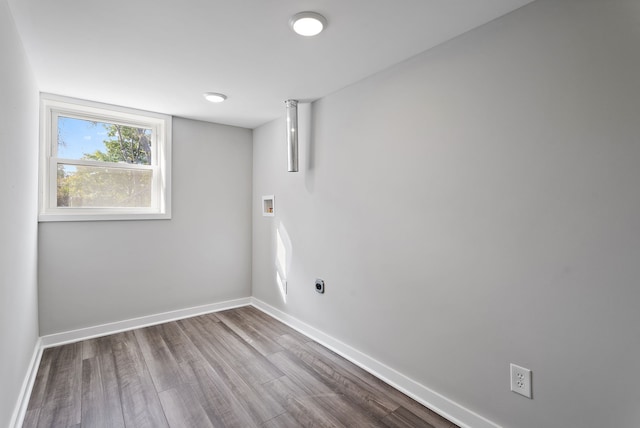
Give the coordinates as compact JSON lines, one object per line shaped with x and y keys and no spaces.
{"x":92,"y":273}
{"x":18,"y":214}
{"x":475,"y":206}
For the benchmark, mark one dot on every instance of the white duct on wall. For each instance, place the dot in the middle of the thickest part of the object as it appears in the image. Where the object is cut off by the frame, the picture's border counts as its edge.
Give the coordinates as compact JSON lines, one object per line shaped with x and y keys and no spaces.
{"x":292,"y":134}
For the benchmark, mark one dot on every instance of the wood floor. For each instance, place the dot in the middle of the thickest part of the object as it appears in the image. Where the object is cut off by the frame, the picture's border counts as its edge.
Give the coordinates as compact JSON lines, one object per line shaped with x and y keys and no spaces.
{"x":236,"y":368}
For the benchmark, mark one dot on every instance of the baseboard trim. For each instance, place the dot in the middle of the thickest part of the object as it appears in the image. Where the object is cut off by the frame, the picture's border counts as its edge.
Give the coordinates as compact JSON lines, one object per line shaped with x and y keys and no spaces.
{"x":20,"y":411}
{"x":440,"y":404}
{"x":62,"y":338}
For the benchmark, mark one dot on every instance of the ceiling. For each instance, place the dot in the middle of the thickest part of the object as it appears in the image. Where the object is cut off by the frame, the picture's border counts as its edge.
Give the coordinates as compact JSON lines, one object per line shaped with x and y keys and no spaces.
{"x":162,"y":55}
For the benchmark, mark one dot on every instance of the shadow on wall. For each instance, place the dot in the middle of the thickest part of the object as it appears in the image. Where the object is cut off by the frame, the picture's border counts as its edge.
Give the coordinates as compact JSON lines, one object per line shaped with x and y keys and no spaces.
{"x":307,"y":143}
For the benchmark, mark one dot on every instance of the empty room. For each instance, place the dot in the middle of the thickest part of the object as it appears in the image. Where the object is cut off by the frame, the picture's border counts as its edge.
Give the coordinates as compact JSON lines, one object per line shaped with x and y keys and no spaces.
{"x":364,"y":213}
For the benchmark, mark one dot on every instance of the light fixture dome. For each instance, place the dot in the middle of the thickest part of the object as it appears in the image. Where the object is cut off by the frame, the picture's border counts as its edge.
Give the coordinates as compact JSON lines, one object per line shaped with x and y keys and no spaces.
{"x":308,"y":23}
{"x":214,"y":97}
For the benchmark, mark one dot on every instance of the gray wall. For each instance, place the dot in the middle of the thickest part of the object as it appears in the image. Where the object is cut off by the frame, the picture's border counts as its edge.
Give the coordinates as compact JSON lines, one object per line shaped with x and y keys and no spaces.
{"x":18,"y":214}
{"x":92,"y":273}
{"x":474,"y":206}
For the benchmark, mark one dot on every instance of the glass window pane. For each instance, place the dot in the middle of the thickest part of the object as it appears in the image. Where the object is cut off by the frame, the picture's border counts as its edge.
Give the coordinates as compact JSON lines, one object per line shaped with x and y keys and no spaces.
{"x":99,"y":187}
{"x":102,"y":141}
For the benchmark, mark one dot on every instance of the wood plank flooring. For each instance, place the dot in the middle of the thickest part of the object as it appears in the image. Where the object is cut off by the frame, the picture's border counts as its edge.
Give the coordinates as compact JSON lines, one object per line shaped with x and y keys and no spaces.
{"x":236,"y":368}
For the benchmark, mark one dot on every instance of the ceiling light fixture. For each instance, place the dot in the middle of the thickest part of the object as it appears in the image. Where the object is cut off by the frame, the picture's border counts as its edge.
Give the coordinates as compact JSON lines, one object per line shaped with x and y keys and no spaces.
{"x":308,"y":23}
{"x":214,"y":97}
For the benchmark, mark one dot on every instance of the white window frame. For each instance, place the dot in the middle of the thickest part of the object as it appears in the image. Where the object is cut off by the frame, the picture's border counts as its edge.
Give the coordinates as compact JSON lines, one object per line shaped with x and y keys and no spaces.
{"x":52,"y":106}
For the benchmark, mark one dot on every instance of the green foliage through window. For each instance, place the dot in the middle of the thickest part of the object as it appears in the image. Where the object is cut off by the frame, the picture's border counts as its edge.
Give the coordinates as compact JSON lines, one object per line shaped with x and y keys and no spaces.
{"x":126,"y":144}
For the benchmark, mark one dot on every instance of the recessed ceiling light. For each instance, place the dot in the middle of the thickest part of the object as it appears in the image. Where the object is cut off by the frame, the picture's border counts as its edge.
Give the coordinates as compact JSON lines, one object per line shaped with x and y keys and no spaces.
{"x":308,"y":23}
{"x":214,"y":97}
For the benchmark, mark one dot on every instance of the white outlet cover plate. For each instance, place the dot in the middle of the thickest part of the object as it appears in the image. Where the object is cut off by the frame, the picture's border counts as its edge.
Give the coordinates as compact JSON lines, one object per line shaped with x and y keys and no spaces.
{"x":521,"y":380}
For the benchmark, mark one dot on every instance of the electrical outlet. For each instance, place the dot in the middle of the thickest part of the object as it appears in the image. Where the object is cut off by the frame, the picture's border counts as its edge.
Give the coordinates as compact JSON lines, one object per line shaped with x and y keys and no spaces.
{"x":521,"y":380}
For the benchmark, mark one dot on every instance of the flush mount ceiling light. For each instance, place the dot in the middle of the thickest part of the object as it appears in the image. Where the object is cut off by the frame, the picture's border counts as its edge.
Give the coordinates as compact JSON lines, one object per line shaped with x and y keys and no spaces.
{"x":308,"y":23}
{"x":214,"y":97}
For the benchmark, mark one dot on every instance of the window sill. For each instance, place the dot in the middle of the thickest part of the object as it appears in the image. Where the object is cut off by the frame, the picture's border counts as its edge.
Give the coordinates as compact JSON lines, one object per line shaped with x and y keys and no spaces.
{"x":45,"y":218}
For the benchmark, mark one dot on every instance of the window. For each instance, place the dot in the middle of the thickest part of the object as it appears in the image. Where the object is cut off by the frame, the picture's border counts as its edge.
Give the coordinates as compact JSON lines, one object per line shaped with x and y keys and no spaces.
{"x":102,"y":162}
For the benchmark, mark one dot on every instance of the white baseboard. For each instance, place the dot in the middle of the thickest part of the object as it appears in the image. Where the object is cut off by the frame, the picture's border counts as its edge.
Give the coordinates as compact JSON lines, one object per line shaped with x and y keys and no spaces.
{"x":57,"y":339}
{"x":440,"y":404}
{"x":20,"y":411}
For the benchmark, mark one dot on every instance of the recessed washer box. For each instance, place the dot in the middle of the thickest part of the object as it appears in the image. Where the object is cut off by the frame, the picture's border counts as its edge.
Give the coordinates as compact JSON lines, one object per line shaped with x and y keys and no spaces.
{"x":268,"y":206}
